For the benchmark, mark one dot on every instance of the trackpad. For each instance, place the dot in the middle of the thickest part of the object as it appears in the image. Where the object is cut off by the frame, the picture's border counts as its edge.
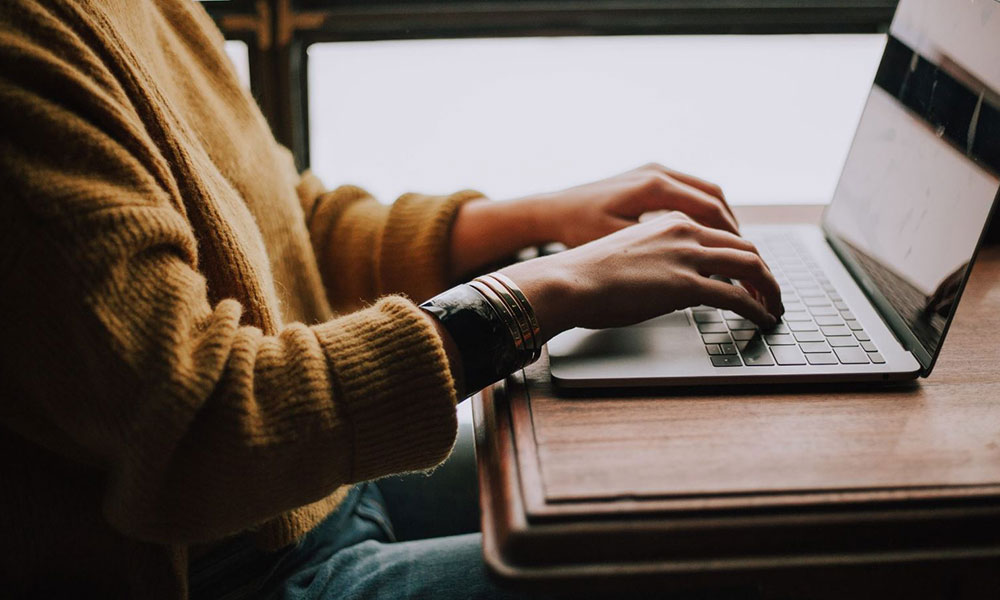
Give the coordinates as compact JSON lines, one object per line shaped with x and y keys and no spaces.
{"x":637,"y":340}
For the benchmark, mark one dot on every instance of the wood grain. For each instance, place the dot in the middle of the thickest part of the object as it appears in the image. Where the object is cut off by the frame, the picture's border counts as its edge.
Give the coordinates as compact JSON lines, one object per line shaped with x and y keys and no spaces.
{"x":850,"y":473}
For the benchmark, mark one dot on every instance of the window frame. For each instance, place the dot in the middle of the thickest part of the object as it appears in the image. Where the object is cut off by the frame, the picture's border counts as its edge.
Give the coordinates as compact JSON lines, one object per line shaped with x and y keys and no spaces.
{"x":278,"y":33}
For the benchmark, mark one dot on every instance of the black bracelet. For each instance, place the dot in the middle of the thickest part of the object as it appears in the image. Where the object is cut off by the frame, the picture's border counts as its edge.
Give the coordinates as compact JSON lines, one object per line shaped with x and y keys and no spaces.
{"x":483,"y":338}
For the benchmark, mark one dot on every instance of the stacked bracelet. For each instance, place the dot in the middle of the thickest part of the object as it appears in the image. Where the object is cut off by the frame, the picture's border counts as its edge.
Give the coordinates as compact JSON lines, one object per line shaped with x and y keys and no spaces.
{"x":513,"y":301}
{"x":493,"y":326}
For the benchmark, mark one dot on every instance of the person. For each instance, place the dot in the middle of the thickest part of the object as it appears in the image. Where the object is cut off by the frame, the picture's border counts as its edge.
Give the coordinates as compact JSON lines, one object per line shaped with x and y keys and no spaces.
{"x":207,"y":354}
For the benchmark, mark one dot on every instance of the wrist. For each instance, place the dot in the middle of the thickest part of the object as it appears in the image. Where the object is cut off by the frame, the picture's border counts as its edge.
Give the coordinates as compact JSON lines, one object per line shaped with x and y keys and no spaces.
{"x":486,"y":232}
{"x":539,"y":216}
{"x":550,"y":290}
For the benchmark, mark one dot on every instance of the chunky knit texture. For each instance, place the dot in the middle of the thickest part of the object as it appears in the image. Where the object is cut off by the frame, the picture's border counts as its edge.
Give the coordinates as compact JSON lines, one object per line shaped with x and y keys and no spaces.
{"x":172,"y":371}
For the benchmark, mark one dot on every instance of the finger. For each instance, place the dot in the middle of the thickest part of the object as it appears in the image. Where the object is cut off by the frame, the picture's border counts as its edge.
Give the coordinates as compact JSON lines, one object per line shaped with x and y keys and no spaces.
{"x":706,"y":209}
{"x":705,"y":186}
{"x":716,"y":238}
{"x":655,"y":214}
{"x":730,"y":297}
{"x":747,"y":267}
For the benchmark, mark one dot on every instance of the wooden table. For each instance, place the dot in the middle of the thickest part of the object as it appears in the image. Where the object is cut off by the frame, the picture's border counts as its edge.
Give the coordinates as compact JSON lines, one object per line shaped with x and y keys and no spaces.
{"x":791,"y":492}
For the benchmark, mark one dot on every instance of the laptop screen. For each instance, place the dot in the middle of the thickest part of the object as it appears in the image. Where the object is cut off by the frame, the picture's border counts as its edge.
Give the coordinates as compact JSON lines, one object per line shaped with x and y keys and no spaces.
{"x":923,"y":171}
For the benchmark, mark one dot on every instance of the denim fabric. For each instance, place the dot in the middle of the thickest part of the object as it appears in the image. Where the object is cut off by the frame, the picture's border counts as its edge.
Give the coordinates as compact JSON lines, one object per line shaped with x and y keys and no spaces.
{"x":356,"y":552}
{"x":359,"y":553}
{"x":362,"y":561}
{"x":350,"y":555}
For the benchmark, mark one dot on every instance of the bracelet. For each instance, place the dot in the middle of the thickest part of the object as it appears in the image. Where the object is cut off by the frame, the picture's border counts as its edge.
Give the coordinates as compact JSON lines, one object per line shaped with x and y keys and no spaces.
{"x":521,"y":312}
{"x":493,"y":327}
{"x":535,"y":330}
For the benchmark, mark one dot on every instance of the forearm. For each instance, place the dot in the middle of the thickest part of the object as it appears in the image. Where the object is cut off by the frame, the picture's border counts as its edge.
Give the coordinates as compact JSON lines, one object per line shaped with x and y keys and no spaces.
{"x":487,"y":232}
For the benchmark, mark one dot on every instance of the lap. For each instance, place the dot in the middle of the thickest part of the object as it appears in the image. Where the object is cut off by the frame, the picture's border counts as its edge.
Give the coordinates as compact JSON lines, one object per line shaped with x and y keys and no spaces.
{"x":361,"y":560}
{"x":418,"y":540}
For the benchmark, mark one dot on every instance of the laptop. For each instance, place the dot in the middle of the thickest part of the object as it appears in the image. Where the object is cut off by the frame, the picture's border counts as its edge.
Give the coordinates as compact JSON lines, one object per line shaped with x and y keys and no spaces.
{"x":870,"y":293}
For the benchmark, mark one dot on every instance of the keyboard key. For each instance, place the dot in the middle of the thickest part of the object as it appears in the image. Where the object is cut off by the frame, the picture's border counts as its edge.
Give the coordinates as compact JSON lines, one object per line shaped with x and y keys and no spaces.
{"x":869,"y":347}
{"x":854,"y":326}
{"x":825,"y":358}
{"x":862,"y":336}
{"x":726,"y":361}
{"x":736,"y":324}
{"x":702,"y":308}
{"x":835,"y":297}
{"x":794,"y":307}
{"x":829,"y":320}
{"x":809,"y":336}
{"x":728,"y":314}
{"x":779,"y":339}
{"x":802,"y":326}
{"x":876,"y":358}
{"x":779,"y":328}
{"x":840,"y":305}
{"x":706,"y":316}
{"x":741,"y":335}
{"x":712,"y":328}
{"x":716,"y":338}
{"x":852,"y":356}
{"x":756,"y":354}
{"x":788,"y":355}
{"x":841,"y":342}
{"x":848,"y":315}
{"x":835,"y":330}
{"x":796,"y":315}
{"x":713,"y":349}
{"x":811,"y":292}
{"x":822,"y":311}
{"x":728,"y":348}
{"x":814,"y":347}
{"x":816,"y":301}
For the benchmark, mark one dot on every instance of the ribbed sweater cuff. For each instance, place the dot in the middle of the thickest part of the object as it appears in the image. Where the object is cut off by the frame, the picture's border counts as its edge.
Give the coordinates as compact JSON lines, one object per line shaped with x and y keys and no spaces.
{"x":395,"y":387}
{"x":419,"y":229}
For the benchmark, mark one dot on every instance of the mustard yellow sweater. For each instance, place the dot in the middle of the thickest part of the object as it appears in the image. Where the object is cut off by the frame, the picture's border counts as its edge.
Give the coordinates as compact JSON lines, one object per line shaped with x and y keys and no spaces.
{"x":171,"y":369}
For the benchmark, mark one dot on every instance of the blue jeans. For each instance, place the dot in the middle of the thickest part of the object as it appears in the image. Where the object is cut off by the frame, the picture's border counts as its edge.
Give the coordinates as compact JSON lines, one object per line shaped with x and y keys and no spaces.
{"x":413,"y":536}
{"x":357,"y":552}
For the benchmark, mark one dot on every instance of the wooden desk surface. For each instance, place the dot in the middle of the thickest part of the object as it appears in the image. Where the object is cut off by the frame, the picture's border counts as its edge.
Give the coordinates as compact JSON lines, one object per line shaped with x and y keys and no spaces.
{"x":689,"y":485}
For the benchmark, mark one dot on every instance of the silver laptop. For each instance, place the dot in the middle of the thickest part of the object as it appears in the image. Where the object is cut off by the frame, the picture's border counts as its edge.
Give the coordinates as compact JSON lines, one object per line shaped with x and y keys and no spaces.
{"x":868,"y":295}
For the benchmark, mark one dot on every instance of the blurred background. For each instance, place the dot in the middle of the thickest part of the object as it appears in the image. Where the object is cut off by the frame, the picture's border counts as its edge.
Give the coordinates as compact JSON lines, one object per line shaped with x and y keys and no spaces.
{"x":513,"y":97}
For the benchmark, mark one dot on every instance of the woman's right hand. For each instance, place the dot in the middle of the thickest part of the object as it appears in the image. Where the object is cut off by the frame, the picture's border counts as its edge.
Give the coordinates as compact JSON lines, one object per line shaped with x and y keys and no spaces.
{"x":647,"y":270}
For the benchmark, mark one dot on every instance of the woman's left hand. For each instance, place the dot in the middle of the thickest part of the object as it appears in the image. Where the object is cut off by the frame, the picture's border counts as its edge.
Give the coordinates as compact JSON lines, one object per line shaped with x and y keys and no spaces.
{"x":488,"y":231}
{"x":587,"y":212}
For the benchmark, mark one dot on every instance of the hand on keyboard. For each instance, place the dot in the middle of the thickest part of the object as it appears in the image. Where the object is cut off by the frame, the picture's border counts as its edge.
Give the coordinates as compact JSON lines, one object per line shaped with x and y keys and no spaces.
{"x":817,"y":328}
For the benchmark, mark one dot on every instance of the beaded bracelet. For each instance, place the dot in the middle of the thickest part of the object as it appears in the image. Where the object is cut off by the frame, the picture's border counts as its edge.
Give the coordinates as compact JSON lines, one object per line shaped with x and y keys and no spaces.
{"x":493,"y":327}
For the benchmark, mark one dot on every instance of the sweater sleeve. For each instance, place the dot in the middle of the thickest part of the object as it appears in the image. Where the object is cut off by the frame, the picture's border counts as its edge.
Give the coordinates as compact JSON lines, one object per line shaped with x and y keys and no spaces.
{"x":397,"y":248}
{"x":114,"y":356}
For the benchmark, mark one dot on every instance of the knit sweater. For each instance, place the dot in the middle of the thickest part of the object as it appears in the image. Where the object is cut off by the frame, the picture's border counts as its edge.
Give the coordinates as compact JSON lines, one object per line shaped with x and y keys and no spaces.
{"x":172,"y":371}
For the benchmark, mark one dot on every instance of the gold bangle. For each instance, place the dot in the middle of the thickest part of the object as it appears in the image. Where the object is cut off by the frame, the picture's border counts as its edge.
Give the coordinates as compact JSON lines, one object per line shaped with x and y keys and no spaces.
{"x":513,"y":305}
{"x":504,"y":312}
{"x":536,"y":331}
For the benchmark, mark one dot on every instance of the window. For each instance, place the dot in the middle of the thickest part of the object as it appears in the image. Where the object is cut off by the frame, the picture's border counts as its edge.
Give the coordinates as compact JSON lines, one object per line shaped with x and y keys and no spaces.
{"x":769,"y":118}
{"x":278,"y":33}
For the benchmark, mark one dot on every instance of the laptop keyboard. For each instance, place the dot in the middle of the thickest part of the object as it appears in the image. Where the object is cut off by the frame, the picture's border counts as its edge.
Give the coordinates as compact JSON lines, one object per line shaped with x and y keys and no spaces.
{"x":818,"y":328}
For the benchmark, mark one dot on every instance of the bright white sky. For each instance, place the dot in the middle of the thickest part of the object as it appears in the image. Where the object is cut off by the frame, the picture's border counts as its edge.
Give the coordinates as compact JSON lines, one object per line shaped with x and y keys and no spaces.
{"x":769,"y":118}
